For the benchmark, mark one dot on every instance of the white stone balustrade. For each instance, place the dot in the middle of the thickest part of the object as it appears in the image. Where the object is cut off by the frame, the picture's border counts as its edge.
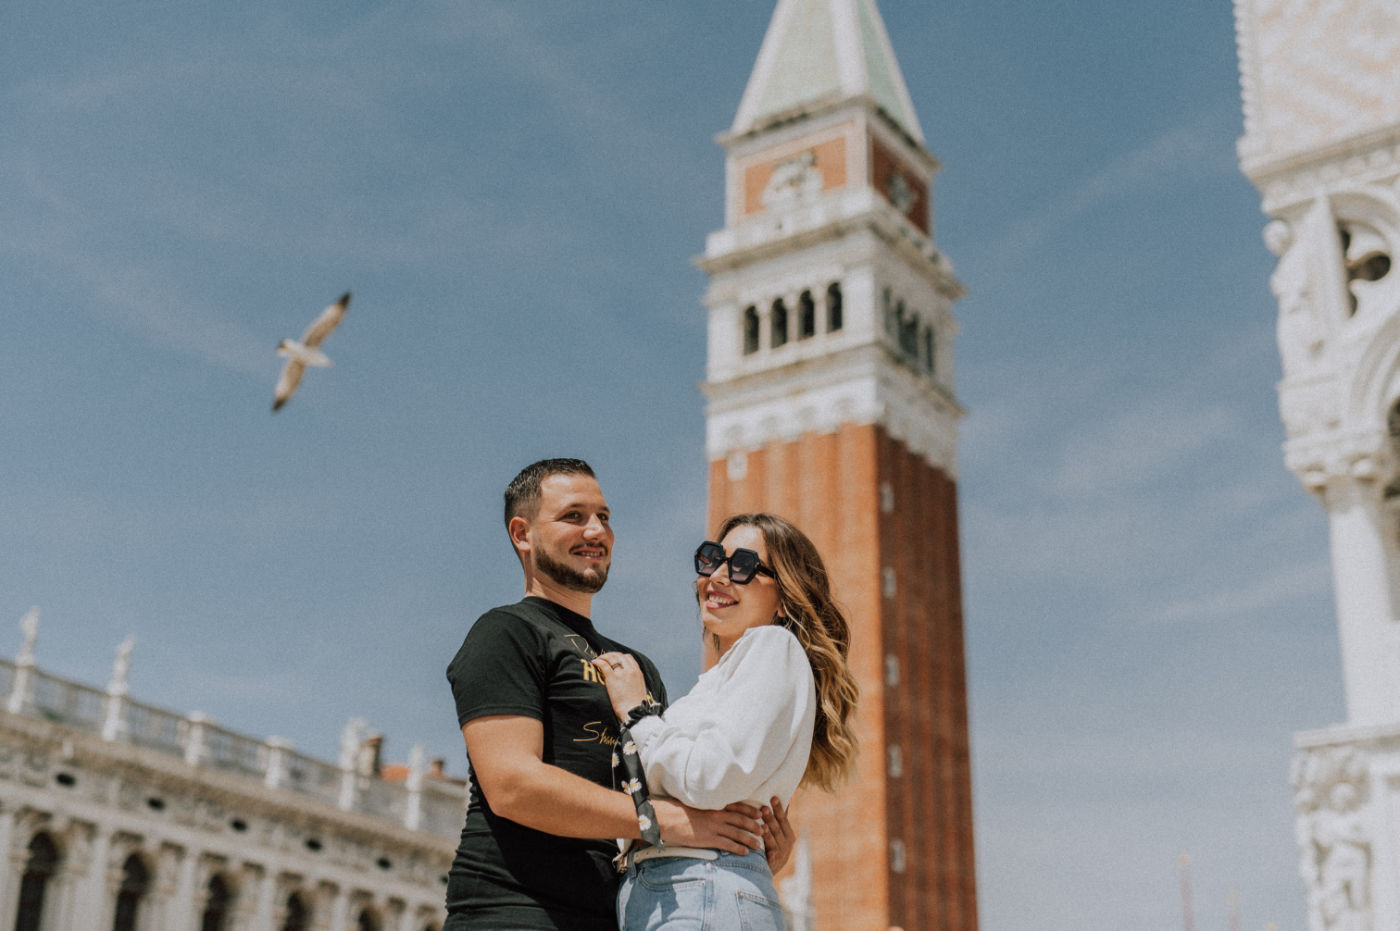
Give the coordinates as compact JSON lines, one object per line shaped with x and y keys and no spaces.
{"x":426,"y":805}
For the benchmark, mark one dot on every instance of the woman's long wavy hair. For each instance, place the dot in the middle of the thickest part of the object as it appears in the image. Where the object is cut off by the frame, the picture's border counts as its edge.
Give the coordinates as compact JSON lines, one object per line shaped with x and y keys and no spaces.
{"x":806,"y":609}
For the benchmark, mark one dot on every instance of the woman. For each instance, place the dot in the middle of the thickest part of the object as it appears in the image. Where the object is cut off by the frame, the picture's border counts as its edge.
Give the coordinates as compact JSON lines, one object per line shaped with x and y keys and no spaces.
{"x":772,"y":711}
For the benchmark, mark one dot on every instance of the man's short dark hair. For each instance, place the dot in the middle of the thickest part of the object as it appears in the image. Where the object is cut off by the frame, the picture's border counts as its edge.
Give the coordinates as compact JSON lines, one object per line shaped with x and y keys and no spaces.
{"x":523,"y":492}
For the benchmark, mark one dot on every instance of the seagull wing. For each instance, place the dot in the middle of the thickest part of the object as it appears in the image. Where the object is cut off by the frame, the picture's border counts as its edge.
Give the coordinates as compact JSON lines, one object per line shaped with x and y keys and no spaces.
{"x":328,"y":320}
{"x":287,"y":383}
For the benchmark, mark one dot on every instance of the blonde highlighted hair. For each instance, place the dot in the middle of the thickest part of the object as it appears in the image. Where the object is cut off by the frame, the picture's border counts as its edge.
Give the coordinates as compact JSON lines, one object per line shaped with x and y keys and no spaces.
{"x":806,"y":609}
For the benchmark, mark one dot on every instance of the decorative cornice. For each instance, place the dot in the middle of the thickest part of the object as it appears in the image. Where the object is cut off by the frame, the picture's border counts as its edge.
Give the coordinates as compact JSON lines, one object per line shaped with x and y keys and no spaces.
{"x":830,"y":218}
{"x":860,"y":386}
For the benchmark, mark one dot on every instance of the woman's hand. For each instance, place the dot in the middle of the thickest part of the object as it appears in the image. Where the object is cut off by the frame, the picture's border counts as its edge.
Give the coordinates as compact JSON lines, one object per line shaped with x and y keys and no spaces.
{"x":627,"y":687}
{"x":779,"y":838}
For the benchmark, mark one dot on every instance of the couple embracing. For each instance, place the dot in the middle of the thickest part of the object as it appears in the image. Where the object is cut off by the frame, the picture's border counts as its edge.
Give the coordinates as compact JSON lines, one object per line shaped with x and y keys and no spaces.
{"x":573,"y":743}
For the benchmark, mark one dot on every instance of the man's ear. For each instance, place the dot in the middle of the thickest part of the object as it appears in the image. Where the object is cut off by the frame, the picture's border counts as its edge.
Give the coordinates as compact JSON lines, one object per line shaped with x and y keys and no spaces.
{"x":519,"y":530}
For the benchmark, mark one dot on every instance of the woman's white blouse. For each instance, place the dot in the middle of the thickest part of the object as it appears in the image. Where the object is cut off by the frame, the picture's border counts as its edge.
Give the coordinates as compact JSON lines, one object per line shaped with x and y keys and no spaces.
{"x":743,"y":734}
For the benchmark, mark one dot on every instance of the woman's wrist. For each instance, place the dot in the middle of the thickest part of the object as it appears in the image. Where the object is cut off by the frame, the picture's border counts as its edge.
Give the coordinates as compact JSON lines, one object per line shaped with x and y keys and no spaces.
{"x":643,"y":708}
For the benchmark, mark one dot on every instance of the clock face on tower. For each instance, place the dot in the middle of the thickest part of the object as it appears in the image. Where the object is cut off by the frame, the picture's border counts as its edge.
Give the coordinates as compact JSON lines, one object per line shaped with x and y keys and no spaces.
{"x":900,"y":193}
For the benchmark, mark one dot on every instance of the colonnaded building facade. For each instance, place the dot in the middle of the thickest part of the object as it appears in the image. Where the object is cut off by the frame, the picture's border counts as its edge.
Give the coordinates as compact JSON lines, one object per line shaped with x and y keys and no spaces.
{"x":119,"y":816}
{"x":829,"y":381}
{"x":1321,"y":88}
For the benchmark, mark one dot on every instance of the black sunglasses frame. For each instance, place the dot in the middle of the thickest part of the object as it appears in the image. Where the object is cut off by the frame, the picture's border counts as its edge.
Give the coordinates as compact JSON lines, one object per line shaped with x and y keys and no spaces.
{"x":710,"y":555}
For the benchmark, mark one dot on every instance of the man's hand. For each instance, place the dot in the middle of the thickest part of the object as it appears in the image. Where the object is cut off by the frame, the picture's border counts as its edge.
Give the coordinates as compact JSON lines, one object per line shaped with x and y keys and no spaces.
{"x":735,"y":829}
{"x":780,"y":839}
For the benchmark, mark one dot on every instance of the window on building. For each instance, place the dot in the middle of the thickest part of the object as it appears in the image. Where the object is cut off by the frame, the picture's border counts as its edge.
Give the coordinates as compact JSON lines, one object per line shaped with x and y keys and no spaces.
{"x":929,"y":346}
{"x":217,"y":906}
{"x":833,"y":307}
{"x":888,"y":307}
{"x":298,"y":915}
{"x":136,"y":879}
{"x":909,"y":338}
{"x":38,"y":870}
{"x":806,"y":316}
{"x":779,"y":324}
{"x":750,"y":330}
{"x":368,"y":921}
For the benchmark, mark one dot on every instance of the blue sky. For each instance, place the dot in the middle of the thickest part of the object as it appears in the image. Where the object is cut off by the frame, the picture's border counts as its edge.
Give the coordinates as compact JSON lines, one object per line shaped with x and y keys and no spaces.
{"x":514,"y":193}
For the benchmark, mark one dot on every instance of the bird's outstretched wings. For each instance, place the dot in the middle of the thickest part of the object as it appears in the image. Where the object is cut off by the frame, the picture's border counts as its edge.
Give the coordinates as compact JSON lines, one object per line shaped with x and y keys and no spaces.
{"x":327,"y":321}
{"x":306,"y":352}
{"x":287,"y":383}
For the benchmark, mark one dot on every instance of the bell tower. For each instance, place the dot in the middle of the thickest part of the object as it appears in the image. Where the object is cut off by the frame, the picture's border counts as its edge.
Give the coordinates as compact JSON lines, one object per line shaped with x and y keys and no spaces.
{"x":1321,"y":85}
{"x":829,"y":383}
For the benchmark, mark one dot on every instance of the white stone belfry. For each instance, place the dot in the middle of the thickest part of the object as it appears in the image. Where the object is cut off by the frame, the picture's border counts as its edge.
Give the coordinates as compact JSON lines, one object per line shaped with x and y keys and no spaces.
{"x":829,"y":301}
{"x":1321,"y":89}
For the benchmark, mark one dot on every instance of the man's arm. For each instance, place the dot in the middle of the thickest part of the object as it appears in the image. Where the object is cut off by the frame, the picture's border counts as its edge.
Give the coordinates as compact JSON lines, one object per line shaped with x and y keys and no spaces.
{"x":507,"y":757}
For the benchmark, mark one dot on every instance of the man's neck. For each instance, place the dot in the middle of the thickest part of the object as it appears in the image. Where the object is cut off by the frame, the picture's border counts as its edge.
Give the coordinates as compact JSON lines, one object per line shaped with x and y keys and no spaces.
{"x":577,"y":602}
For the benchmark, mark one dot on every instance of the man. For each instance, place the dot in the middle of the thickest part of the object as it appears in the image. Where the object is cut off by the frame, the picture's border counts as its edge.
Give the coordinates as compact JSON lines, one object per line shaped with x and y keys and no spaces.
{"x":539,"y":730}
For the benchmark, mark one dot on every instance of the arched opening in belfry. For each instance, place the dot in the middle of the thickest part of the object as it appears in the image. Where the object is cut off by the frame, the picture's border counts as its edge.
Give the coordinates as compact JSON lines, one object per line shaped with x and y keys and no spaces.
{"x":39,"y":869}
{"x":834,"y":311}
{"x":136,"y":879}
{"x":779,"y":324}
{"x":806,"y":316}
{"x":750,"y":330}
{"x":217,"y":906}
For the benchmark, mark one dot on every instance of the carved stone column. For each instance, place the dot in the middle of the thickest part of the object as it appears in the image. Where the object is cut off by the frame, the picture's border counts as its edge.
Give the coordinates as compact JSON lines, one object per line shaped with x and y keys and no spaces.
{"x":259,"y":889}
{"x":1362,"y":566}
{"x":12,"y":859}
{"x":92,"y":906}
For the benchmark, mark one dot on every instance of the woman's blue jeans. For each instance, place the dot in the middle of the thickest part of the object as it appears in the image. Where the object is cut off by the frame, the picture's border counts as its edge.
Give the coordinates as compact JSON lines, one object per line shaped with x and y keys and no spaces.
{"x":733,"y":892}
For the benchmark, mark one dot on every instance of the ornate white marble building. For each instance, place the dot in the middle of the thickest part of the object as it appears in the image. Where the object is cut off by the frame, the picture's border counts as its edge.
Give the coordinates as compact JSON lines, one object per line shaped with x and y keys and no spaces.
{"x":119,"y":815}
{"x":1321,"y":87}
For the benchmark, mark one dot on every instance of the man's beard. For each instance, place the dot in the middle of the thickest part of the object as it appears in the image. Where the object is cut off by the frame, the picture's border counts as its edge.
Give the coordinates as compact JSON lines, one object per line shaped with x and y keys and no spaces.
{"x":569,"y":577}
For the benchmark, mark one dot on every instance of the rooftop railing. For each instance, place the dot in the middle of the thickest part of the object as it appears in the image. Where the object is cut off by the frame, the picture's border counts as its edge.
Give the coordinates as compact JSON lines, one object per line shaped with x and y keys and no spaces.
{"x":435,"y":806}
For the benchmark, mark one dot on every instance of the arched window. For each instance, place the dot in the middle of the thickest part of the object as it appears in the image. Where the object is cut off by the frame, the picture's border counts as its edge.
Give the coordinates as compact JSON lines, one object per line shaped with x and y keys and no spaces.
{"x":833,"y":307}
{"x":806,"y":316}
{"x":38,"y":870}
{"x":930,"y":361}
{"x":890,"y":323}
{"x":218,"y":906}
{"x":135,"y":880}
{"x":298,"y":915}
{"x":750,"y":330}
{"x":779,"y":324}
{"x":368,"y":921}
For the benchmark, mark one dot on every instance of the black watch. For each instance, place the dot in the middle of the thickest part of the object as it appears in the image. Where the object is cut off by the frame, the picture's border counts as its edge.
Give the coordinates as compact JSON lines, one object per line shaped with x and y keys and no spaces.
{"x":642,"y":710}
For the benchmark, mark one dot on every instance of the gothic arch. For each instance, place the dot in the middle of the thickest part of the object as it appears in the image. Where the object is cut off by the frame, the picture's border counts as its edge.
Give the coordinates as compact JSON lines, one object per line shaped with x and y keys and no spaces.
{"x":219,"y":898}
{"x":1375,"y":382}
{"x":40,"y":867}
{"x":368,"y":920}
{"x":135,"y":879}
{"x":297,"y":913}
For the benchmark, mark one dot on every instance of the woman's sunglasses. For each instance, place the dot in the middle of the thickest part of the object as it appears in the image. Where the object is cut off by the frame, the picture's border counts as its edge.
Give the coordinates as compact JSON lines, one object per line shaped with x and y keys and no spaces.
{"x":743,"y":564}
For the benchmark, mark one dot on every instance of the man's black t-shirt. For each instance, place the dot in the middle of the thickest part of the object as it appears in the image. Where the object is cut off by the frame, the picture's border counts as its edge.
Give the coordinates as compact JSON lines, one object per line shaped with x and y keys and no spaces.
{"x":533,"y":659}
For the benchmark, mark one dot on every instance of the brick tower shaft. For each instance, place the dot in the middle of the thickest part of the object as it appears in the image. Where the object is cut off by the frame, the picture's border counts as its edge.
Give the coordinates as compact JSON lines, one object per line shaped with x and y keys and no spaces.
{"x":830,"y":402}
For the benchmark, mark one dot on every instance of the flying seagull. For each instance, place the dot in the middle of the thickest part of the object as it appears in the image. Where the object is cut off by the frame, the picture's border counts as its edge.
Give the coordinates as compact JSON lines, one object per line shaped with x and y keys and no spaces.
{"x":301,"y":354}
